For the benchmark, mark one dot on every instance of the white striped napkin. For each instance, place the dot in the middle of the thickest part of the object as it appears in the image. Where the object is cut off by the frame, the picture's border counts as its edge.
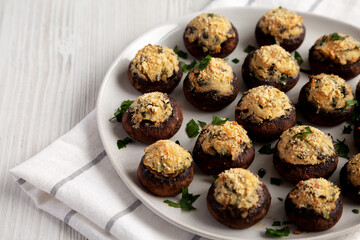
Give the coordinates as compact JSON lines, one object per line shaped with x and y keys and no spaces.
{"x":73,"y":179}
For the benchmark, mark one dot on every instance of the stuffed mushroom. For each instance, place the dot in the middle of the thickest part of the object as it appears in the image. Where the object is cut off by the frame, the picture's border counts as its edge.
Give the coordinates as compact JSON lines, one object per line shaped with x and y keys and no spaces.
{"x":213,"y":87}
{"x":350,"y":178}
{"x":314,"y":204}
{"x":210,"y":34}
{"x":326,"y":100}
{"x":238,"y":198}
{"x":155,"y":68}
{"x":304,"y":152}
{"x":223,"y":146}
{"x":337,"y":54}
{"x":165,"y":168}
{"x":265,"y":112}
{"x":280,"y":26}
{"x":152,"y":116}
{"x":271,"y":65}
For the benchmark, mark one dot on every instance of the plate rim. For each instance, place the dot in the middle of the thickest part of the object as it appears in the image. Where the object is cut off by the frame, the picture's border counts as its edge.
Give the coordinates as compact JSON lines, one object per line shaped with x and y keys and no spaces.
{"x":120,"y":171}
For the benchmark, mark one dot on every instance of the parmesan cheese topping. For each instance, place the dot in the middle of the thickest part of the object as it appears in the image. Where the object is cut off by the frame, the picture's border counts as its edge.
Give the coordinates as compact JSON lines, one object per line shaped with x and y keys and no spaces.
{"x":353,"y":169}
{"x":299,"y":146}
{"x":264,"y":103}
{"x":273,"y":63}
{"x":340,"y":48}
{"x":154,"y":107}
{"x":155,"y":63}
{"x":238,"y":187}
{"x":329,"y":92}
{"x":228,"y":139}
{"x":210,"y":30}
{"x":167,"y":157}
{"x":282,"y":24}
{"x":317,"y":194}
{"x":217,"y":76}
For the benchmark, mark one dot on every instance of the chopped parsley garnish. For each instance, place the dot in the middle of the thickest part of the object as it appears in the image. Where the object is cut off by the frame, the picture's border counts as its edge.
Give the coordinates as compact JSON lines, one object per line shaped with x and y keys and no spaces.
{"x":298,"y":58}
{"x":249,"y":48}
{"x":187,"y":67}
{"x":275,"y":181}
{"x":235,"y":60}
{"x":355,"y":117}
{"x":219,"y":121}
{"x":349,"y":103}
{"x":201,"y":123}
{"x":299,"y":123}
{"x":303,"y":134}
{"x":203,"y":63}
{"x":164,"y":72}
{"x":180,"y":52}
{"x":210,"y":14}
{"x":266,"y":149}
{"x":121,"y":143}
{"x":356,"y":211}
{"x":280,"y":199}
{"x":214,"y":177}
{"x":278,"y":232}
{"x":276,"y":224}
{"x":347,"y":129}
{"x":192,"y":129}
{"x":261,"y":172}
{"x":336,"y":36}
{"x":186,"y":200}
{"x":121,"y":110}
{"x":342,"y":148}
{"x":306,"y":71}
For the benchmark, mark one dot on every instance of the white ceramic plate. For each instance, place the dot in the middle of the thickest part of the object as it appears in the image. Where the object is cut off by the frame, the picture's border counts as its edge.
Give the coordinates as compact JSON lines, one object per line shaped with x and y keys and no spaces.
{"x":117,"y":88}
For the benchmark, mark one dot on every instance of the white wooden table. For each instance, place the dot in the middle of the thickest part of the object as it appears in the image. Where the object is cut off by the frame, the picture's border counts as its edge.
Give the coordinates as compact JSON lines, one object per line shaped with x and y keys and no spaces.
{"x":53,"y":56}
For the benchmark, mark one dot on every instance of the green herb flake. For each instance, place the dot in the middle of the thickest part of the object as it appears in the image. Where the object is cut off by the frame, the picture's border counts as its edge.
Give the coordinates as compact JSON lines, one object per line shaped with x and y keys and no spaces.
{"x":219,"y":121}
{"x":192,"y":129}
{"x":214,"y":177}
{"x":186,"y":201}
{"x":349,"y":103}
{"x":203,"y":63}
{"x":275,"y":181}
{"x":299,"y":123}
{"x":303,"y":134}
{"x":121,"y":143}
{"x":278,"y":232}
{"x":235,"y":60}
{"x":347,"y":129}
{"x":342,"y":148}
{"x":355,"y":211}
{"x":336,"y":36}
{"x":164,"y":72}
{"x":261,"y":172}
{"x":180,"y":52}
{"x":121,"y":110}
{"x":211,"y":15}
{"x":201,"y":123}
{"x":249,"y":49}
{"x":187,"y":67}
{"x":280,"y":199}
{"x":298,"y":58}
{"x":276,"y":224}
{"x":266,"y":149}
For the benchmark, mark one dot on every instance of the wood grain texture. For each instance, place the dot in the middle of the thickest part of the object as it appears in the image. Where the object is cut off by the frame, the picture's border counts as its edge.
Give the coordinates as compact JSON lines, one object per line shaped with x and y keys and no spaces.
{"x":54,"y":55}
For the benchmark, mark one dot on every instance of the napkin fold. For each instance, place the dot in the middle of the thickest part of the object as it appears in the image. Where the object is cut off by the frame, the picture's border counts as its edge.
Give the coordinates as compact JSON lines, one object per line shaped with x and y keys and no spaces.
{"x":73,"y":179}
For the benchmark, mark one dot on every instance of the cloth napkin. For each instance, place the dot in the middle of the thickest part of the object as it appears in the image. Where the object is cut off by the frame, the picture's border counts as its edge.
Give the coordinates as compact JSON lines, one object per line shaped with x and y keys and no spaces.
{"x":73,"y":179}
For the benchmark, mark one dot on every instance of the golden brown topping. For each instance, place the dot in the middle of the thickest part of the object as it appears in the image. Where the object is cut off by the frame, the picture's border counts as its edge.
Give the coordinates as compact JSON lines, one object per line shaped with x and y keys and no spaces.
{"x":264,"y":103}
{"x":210,"y":30}
{"x":228,"y":139}
{"x":340,"y":48}
{"x":329,"y":92}
{"x":316,"y":194}
{"x":282,"y":24}
{"x":217,"y":76}
{"x":238,"y":187}
{"x":305,"y":145}
{"x":274,"y":63}
{"x":353,"y":169}
{"x":154,"y":62}
{"x":167,"y":158}
{"x":154,"y":107}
